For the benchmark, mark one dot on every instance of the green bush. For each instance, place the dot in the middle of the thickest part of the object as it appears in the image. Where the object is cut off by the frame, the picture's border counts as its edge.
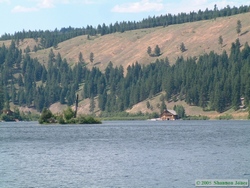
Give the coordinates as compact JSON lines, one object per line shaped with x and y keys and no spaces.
{"x":66,"y":118}
{"x":68,"y":114}
{"x":225,"y":117}
{"x":60,"y":119}
{"x":72,"y":121}
{"x":46,"y":116}
{"x":81,"y":119}
{"x":87,"y":120}
{"x":6,"y":117}
{"x":196,"y":118}
{"x":248,"y":112}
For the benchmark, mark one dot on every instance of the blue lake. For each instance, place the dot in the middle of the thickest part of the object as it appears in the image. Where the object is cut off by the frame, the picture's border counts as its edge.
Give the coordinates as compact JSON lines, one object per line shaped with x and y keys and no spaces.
{"x":123,"y":153}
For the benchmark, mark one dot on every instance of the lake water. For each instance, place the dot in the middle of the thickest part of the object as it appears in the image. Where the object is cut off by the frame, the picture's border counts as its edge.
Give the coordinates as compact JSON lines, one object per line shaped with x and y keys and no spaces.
{"x":123,"y":154}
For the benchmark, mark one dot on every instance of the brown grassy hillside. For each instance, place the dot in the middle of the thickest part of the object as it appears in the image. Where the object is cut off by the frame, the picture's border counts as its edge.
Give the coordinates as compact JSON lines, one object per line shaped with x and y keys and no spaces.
{"x":131,"y":46}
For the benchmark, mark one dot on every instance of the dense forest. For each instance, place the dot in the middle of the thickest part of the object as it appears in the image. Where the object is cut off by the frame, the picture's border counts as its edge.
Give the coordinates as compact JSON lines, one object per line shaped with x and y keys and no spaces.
{"x":52,"y":38}
{"x":211,"y":81}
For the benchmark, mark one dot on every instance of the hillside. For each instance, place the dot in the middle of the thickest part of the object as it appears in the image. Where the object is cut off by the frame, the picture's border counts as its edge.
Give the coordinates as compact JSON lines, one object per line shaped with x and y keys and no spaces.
{"x":131,"y":46}
{"x":190,"y":110}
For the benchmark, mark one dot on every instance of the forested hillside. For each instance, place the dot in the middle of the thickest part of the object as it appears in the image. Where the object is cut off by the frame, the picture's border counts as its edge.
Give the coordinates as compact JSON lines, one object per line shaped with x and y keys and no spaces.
{"x":214,"y":78}
{"x":212,"y":81}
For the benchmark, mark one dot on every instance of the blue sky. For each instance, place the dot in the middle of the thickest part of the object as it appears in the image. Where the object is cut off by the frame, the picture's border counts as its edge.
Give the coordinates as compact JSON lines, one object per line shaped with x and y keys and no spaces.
{"x":17,"y":15}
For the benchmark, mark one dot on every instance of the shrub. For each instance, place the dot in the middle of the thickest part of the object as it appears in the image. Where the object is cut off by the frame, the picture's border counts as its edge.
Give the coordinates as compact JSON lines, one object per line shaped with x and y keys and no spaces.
{"x":68,"y":113}
{"x":46,"y":116}
{"x":225,"y":117}
{"x":60,"y":119}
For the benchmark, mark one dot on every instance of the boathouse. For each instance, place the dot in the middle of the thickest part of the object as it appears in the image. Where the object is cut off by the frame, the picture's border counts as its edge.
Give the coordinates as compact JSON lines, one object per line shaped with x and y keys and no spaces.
{"x":169,"y":115}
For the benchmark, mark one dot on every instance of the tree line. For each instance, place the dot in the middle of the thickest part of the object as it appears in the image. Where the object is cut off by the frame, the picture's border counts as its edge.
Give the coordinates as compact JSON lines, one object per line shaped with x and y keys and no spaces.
{"x":49,"y":38}
{"x":211,"y":81}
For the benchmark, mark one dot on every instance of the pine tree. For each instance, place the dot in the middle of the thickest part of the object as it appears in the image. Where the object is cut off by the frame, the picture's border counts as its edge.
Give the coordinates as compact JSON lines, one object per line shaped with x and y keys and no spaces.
{"x":51,"y":56}
{"x":157,"y":51}
{"x":20,"y":80}
{"x":92,"y":105}
{"x":163,"y":106}
{"x":148,"y":105}
{"x":102,"y":100}
{"x":238,"y":28}
{"x":236,"y":92}
{"x":1,"y":98}
{"x":182,"y":47}
{"x":180,"y":110}
{"x":91,"y":57}
{"x":80,"y":58}
{"x":215,"y":13}
{"x":248,"y":112}
{"x":220,"y":41}
{"x":149,"y":51}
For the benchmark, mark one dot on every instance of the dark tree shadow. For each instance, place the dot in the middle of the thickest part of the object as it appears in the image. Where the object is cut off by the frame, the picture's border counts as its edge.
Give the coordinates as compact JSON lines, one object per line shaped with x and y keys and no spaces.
{"x":244,"y":33}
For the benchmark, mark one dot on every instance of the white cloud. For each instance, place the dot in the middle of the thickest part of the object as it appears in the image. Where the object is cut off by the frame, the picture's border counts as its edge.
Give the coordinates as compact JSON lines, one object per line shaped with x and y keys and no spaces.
{"x":19,"y":8}
{"x":4,"y":1}
{"x":81,"y":1}
{"x":46,"y":4}
{"x":140,"y":6}
{"x":40,"y":5}
{"x":198,"y":2}
{"x":89,"y":2}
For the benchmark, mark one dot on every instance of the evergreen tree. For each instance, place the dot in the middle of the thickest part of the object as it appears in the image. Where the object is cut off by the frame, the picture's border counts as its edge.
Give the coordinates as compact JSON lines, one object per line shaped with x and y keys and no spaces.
{"x":149,"y":51}
{"x":182,"y":47}
{"x":238,"y":27}
{"x":180,"y":110}
{"x":163,"y":106}
{"x":102,"y":100}
{"x":20,"y":80}
{"x":51,"y":56}
{"x":157,"y":51}
{"x":92,"y":105}
{"x":248,"y":112}
{"x":80,"y":58}
{"x":91,"y":57}
{"x":1,"y":97}
{"x":27,"y":50}
{"x":215,"y":12}
{"x":220,"y":41}
{"x":236,"y":92}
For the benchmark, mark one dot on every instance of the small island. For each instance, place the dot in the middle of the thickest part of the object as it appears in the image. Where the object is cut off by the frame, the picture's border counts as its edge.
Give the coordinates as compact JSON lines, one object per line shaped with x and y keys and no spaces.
{"x":67,"y":117}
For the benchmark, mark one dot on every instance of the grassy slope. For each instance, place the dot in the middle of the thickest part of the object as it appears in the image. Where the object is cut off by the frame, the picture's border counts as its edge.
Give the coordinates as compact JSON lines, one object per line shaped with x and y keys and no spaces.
{"x":131,"y":46}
